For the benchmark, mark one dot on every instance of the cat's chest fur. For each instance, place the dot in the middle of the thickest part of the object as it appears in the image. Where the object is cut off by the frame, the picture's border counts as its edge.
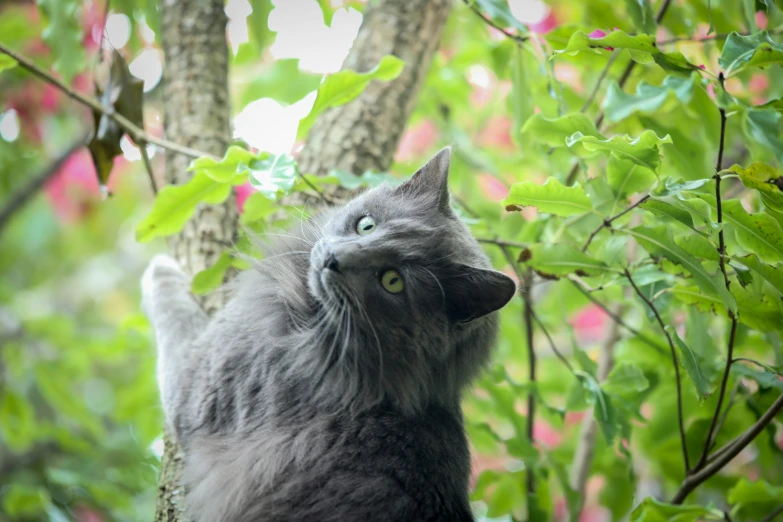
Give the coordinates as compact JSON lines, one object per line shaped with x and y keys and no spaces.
{"x":306,"y":465}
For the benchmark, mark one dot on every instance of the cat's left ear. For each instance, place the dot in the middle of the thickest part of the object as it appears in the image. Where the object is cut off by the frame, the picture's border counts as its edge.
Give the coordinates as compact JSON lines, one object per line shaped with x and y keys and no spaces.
{"x":432,"y":180}
{"x":475,"y":292}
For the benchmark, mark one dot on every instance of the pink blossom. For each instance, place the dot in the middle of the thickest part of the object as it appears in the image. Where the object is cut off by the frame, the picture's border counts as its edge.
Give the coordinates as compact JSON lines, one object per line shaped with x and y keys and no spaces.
{"x":761,"y":19}
{"x":711,"y":90}
{"x":242,"y":193}
{"x":50,"y":99}
{"x":547,"y":436}
{"x":74,"y":188}
{"x":416,"y":140}
{"x":545,"y":25}
{"x":569,"y":75}
{"x":598,"y":33}
{"x":492,"y":188}
{"x":589,"y":323}
{"x":497,"y":133}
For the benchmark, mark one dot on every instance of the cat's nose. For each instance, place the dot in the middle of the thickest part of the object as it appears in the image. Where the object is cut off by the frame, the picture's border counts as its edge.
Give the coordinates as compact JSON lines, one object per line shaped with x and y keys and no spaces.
{"x":331,"y":262}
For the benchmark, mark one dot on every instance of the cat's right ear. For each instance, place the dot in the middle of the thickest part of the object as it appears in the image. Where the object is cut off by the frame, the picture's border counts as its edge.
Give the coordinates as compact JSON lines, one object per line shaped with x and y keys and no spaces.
{"x":475,"y":292}
{"x":431,"y":181}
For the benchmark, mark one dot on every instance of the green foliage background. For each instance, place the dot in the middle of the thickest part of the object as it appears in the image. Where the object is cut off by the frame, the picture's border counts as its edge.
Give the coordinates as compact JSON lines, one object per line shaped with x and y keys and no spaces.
{"x":79,"y":414}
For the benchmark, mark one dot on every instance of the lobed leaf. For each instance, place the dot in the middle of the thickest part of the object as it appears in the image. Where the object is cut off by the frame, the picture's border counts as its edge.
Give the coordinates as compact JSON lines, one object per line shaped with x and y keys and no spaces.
{"x":648,"y":98}
{"x":756,"y":49}
{"x":764,"y":126}
{"x":651,"y":510}
{"x":211,"y":278}
{"x":626,"y":379}
{"x":553,"y":132}
{"x":628,"y":177}
{"x":767,"y":180}
{"x":273,"y":175}
{"x":341,"y":87}
{"x":658,"y":241}
{"x":644,"y":150}
{"x":580,"y":41}
{"x":234,"y":162}
{"x":552,"y":198}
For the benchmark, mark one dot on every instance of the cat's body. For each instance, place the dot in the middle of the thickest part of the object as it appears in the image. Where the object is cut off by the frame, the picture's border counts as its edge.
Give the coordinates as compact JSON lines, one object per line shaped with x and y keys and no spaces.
{"x":328,"y":388}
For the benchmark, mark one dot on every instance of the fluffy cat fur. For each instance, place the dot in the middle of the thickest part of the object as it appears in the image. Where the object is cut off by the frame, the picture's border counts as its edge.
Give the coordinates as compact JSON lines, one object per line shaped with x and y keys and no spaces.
{"x":316,"y":394}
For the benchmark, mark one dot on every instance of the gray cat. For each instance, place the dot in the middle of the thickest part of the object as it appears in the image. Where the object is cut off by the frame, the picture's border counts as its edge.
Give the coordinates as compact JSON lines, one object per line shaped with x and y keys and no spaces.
{"x":328,"y":388}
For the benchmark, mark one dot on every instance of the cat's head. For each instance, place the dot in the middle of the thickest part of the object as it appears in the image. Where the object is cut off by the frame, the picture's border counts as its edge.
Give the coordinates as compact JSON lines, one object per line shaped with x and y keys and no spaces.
{"x":408,"y":294}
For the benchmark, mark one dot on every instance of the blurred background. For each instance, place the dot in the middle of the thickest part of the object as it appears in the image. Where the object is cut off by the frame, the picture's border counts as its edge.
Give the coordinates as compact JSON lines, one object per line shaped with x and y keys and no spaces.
{"x":80,"y":423}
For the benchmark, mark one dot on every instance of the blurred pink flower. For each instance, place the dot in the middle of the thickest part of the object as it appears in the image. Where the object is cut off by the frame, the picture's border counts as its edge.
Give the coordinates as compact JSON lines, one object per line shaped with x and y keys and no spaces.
{"x":497,"y":133}
{"x":93,"y":23}
{"x":492,"y":188}
{"x":549,"y":22}
{"x":544,"y":434}
{"x":74,"y":188}
{"x":589,"y":323}
{"x":761,"y":19}
{"x":570,"y":75}
{"x":758,"y":83}
{"x":50,"y":99}
{"x":242,"y":193}
{"x":416,"y":140}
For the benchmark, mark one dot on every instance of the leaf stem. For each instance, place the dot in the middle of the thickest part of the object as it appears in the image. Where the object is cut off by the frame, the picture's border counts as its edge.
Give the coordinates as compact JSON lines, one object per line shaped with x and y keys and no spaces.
{"x":727,"y":453}
{"x":518,"y":39}
{"x":680,"y":421}
{"x":712,"y":432}
{"x":139,"y":136}
{"x":607,"y":223}
{"x":771,"y":516}
{"x":531,"y":398}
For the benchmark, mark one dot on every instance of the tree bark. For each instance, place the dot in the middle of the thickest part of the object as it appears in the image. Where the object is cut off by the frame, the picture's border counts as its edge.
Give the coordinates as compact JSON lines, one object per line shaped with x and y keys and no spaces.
{"x":361,"y":135}
{"x":197,"y":114}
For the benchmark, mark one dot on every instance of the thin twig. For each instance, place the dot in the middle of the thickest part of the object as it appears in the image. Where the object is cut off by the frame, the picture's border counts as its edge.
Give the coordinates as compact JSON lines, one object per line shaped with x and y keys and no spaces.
{"x":617,"y":319}
{"x":771,"y":516}
{"x":733,"y":449}
{"x":607,"y":223}
{"x":621,"y":82}
{"x":601,"y":78}
{"x":518,"y":39}
{"x":139,"y":136}
{"x":530,"y":481}
{"x":712,"y":432}
{"x":33,"y":185}
{"x":501,"y":242}
{"x":552,"y":345}
{"x":732,"y":397}
{"x":757,"y":363}
{"x":680,"y":421}
{"x":148,"y":166}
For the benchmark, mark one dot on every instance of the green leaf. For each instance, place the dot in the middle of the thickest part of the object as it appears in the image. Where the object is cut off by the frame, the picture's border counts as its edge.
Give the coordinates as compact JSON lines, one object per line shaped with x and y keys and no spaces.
{"x":341,"y":87}
{"x":603,"y":410}
{"x":756,"y":49}
{"x":674,"y":63}
{"x":234,"y":162}
{"x":257,"y":207}
{"x":6,"y":62}
{"x":641,"y":12}
{"x":667,"y":207}
{"x":258,"y":23}
{"x":695,"y":366}
{"x":619,"y":39}
{"x":625,"y":379}
{"x":505,"y":496}
{"x":774,"y":276}
{"x":551,"y":198}
{"x":211,"y":278}
{"x":283,"y":81}
{"x":651,"y":510}
{"x":498,"y":11}
{"x":520,"y":101}
{"x":63,"y":36}
{"x":767,"y":378}
{"x":24,"y":501}
{"x":327,"y":10}
{"x":658,"y":241}
{"x":767,"y":180}
{"x":760,"y":495}
{"x":560,"y":259}
{"x":648,"y":98}
{"x":757,"y":233}
{"x":273,"y":175}
{"x":754,"y":311}
{"x":644,"y":150}
{"x":764,"y":126}
{"x":16,"y":420}
{"x":627,"y":177}
{"x":175,"y":204}
{"x":553,"y":132}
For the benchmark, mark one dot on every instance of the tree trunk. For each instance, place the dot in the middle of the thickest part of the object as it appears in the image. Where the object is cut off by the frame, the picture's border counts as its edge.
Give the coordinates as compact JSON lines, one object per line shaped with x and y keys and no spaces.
{"x":361,"y":135}
{"x":197,"y":114}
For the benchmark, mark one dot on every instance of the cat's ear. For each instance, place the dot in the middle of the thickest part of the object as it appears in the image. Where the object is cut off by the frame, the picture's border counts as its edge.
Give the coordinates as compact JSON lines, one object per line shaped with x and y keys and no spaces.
{"x":475,"y":292}
{"x":432,"y":180}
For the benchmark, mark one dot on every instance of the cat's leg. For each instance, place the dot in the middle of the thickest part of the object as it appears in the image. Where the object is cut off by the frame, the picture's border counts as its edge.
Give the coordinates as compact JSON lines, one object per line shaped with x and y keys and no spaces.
{"x":177,"y":320}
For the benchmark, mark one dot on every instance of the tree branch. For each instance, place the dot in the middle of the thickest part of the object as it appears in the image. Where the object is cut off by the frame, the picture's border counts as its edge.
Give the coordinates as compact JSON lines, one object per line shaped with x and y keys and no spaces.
{"x":680,"y":420}
{"x":722,"y":254}
{"x":607,"y":223}
{"x":139,"y":136}
{"x":34,"y":184}
{"x":771,"y":516}
{"x":727,"y":453}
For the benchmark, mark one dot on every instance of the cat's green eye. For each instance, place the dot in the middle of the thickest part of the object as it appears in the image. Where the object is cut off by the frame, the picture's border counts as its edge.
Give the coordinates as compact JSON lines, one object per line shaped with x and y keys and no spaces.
{"x":365,"y":226}
{"x":392,"y":281}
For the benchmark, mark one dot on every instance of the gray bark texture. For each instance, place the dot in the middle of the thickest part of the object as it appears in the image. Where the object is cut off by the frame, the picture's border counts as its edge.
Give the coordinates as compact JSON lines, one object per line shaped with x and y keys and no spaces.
{"x":361,"y":135}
